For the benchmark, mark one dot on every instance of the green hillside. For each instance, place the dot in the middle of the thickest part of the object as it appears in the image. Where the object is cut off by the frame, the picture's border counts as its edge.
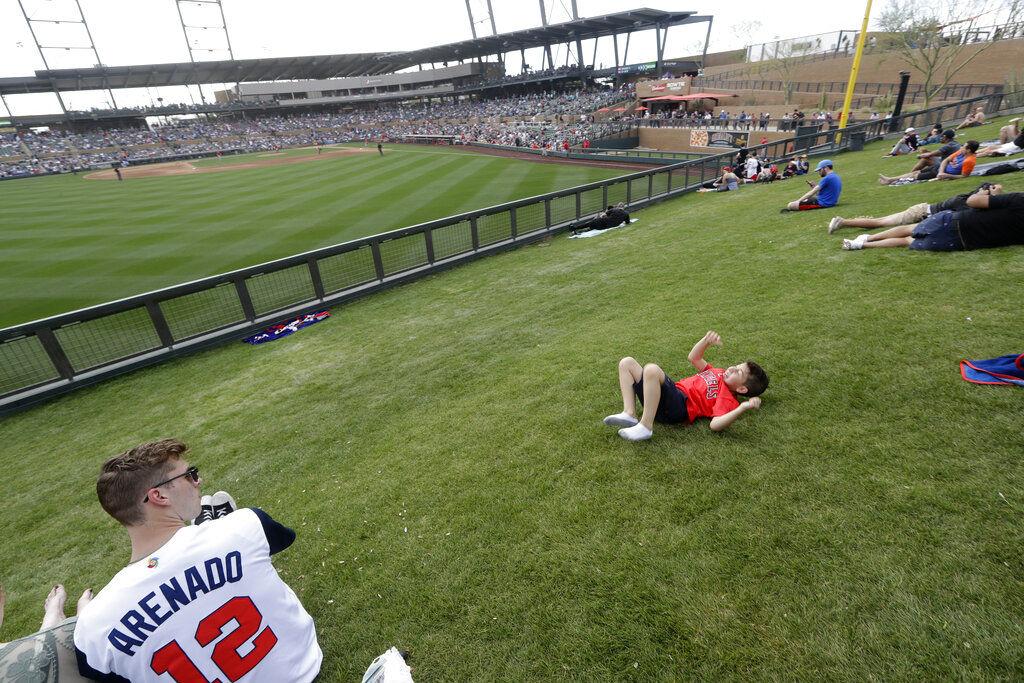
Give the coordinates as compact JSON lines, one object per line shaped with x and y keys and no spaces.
{"x":439,"y":449}
{"x":69,"y":242}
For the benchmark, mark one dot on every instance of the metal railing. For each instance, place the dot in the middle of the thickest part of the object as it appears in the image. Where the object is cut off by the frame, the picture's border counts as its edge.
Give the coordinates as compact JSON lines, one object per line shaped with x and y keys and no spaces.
{"x":47,"y":357}
{"x":662,"y":155}
{"x":878,"y":42}
{"x":914,"y":91}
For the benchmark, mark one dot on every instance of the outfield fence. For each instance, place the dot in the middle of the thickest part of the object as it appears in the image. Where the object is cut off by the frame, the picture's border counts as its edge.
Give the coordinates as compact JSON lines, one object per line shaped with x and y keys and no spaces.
{"x":47,"y":357}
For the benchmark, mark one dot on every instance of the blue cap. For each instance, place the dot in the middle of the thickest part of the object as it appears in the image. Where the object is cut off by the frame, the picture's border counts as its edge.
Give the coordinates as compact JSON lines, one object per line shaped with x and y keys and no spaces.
{"x":822,"y":164}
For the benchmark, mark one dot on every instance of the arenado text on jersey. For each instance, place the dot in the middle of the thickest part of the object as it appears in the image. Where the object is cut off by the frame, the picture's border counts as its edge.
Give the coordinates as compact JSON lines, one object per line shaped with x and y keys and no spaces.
{"x":172,"y":595}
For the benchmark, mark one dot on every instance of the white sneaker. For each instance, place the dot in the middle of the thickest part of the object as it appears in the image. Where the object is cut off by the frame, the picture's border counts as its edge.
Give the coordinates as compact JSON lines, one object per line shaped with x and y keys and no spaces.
{"x":862,"y":239}
{"x":833,"y":224}
{"x":620,"y":420}
{"x":636,"y":433}
{"x":852,"y":245}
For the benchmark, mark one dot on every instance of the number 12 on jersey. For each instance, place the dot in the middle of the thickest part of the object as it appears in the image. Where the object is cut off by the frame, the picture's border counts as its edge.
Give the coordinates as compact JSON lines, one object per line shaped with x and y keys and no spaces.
{"x":171,"y":659}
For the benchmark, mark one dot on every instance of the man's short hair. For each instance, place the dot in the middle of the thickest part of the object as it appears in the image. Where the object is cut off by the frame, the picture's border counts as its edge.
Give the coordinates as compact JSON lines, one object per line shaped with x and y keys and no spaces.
{"x":949,"y":133}
{"x":125,"y":478}
{"x":757,"y":382}
{"x":972,"y":145}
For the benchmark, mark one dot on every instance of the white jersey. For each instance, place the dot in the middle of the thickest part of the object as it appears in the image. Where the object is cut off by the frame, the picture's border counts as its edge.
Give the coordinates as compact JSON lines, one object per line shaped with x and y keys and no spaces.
{"x":206,"y":606}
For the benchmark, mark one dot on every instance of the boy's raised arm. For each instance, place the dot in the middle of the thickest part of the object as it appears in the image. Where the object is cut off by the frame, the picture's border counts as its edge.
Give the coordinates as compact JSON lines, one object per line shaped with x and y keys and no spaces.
{"x":696,"y":356}
{"x":722,"y":421}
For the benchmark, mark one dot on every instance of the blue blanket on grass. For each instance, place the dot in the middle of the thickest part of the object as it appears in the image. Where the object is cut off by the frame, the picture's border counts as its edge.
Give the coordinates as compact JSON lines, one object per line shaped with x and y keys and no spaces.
{"x":275,"y":332}
{"x":1002,"y":370}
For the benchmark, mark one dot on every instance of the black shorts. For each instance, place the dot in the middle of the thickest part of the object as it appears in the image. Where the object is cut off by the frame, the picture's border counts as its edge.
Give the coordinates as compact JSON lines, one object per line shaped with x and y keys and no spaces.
{"x":671,"y":407}
{"x":928,"y":173}
{"x":939,"y":232}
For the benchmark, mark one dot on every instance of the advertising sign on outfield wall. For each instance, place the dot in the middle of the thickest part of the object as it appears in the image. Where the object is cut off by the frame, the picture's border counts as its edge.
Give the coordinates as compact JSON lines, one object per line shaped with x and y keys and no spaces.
{"x":718,"y":138}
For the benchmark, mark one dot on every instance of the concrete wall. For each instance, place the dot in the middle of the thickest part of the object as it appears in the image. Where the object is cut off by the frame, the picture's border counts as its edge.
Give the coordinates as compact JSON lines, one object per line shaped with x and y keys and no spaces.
{"x":996,"y":62}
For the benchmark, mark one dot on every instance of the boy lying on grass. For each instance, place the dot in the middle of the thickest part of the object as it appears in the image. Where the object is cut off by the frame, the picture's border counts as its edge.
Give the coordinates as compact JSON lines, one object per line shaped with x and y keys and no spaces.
{"x":709,"y":393}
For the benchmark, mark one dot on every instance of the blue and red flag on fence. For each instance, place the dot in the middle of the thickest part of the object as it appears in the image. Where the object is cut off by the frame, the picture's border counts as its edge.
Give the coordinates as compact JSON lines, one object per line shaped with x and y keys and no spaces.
{"x":284,"y":329}
{"x":1002,"y":370}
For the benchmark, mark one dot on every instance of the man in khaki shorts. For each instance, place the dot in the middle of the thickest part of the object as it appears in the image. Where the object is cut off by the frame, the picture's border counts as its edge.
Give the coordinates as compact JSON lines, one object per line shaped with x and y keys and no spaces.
{"x":911,"y":216}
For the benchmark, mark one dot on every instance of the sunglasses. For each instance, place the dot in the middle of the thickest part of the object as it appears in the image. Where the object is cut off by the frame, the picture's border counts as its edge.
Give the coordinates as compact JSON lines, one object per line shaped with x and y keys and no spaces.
{"x":192,"y":473}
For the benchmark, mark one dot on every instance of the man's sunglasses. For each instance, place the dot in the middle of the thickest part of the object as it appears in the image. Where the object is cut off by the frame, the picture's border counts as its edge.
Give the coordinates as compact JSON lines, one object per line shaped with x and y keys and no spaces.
{"x":192,"y":473}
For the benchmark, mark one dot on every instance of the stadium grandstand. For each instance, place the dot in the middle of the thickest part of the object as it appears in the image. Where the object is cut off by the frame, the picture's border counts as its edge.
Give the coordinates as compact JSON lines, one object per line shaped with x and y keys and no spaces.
{"x":459,"y":90}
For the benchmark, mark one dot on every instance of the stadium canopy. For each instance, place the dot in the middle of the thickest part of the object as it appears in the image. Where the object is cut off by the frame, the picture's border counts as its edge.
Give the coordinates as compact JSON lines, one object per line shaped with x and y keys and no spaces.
{"x":194,"y":73}
{"x":334,"y":66}
{"x":554,"y":34}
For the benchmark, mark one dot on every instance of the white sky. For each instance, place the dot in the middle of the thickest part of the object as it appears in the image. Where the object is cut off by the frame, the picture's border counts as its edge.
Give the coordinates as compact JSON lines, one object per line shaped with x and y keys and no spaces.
{"x":147,"y":31}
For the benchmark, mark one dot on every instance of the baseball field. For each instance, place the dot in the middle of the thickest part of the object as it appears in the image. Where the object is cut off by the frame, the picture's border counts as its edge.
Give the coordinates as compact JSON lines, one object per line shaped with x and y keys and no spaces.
{"x":77,"y":240}
{"x":439,"y":450}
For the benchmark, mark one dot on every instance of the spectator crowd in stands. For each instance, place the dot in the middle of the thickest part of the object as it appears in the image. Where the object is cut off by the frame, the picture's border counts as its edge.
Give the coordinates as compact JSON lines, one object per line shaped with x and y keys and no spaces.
{"x":541,"y":120}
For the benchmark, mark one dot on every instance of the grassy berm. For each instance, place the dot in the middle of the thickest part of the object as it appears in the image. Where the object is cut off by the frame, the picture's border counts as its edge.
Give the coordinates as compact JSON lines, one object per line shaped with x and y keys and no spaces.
{"x":440,"y":452}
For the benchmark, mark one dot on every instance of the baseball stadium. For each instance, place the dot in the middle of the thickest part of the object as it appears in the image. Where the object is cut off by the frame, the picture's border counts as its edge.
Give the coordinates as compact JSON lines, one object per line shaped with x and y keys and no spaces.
{"x":339,"y":343}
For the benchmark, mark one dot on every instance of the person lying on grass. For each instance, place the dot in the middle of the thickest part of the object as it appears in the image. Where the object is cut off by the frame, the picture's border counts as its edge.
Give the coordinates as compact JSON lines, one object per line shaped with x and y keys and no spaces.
{"x":612,"y":217}
{"x":958,"y":164}
{"x":910,"y":216}
{"x":991,"y":219}
{"x":1003,"y":149}
{"x":710,"y":393}
{"x":823,"y":195}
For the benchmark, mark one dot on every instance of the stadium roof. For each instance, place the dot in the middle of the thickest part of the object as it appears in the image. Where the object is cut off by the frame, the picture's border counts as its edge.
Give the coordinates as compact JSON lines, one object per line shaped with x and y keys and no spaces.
{"x":187,"y":73}
{"x":333,"y":66}
{"x":578,"y":29}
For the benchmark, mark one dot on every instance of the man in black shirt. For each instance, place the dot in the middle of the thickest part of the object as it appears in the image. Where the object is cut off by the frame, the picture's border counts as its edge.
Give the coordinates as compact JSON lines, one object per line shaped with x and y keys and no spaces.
{"x":989,"y":219}
{"x":612,"y":217}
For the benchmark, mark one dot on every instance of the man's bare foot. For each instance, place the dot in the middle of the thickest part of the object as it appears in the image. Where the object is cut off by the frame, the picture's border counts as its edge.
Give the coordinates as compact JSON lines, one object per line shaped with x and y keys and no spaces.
{"x":884,"y":180}
{"x":84,"y":600}
{"x":53,"y":608}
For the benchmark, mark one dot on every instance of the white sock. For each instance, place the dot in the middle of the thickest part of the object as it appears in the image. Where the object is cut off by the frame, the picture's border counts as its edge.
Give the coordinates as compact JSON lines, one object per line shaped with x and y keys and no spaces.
{"x":622,"y":419}
{"x":635,"y":433}
{"x":861,"y":240}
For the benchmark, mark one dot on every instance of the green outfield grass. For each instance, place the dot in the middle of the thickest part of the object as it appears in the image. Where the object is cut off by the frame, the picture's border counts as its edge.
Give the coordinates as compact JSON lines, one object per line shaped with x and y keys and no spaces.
{"x":439,"y":449}
{"x":69,"y":242}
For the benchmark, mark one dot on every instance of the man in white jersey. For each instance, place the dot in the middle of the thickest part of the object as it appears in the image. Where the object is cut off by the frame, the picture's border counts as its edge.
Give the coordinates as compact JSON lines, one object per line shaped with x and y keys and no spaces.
{"x":196,"y":604}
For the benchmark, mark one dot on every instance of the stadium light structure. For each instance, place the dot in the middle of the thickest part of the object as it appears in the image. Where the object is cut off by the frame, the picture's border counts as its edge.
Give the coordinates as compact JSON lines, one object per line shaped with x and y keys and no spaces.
{"x":191,"y":44}
{"x":80,"y":20}
{"x":197,"y":72}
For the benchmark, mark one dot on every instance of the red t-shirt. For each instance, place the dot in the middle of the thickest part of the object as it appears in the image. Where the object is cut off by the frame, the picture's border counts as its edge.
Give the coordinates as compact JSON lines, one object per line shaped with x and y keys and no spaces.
{"x":706,"y":394}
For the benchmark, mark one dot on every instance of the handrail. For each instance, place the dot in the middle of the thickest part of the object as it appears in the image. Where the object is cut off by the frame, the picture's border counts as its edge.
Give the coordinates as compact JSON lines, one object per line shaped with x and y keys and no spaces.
{"x":983,"y":34}
{"x":914,"y":91}
{"x":50,"y":356}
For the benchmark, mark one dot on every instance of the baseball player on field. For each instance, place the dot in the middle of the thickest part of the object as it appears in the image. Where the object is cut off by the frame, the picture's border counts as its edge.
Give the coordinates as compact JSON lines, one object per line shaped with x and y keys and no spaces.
{"x":197,"y":603}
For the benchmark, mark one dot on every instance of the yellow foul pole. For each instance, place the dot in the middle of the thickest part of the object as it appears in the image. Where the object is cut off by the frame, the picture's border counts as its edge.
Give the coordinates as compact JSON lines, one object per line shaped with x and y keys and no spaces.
{"x":845,"y":115}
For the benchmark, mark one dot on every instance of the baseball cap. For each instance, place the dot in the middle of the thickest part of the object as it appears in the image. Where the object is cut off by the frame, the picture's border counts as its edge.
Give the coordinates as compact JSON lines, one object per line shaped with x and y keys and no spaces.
{"x":823,"y":163}
{"x":909,"y":130}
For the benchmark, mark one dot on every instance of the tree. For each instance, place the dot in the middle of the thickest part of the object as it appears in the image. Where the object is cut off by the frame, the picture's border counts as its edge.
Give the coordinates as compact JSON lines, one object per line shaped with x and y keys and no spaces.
{"x":938,"y":38}
{"x":785,"y":57}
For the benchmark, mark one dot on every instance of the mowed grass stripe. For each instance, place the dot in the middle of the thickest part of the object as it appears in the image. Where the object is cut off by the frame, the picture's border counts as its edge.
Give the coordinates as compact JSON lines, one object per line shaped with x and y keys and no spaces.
{"x":97,"y":234}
